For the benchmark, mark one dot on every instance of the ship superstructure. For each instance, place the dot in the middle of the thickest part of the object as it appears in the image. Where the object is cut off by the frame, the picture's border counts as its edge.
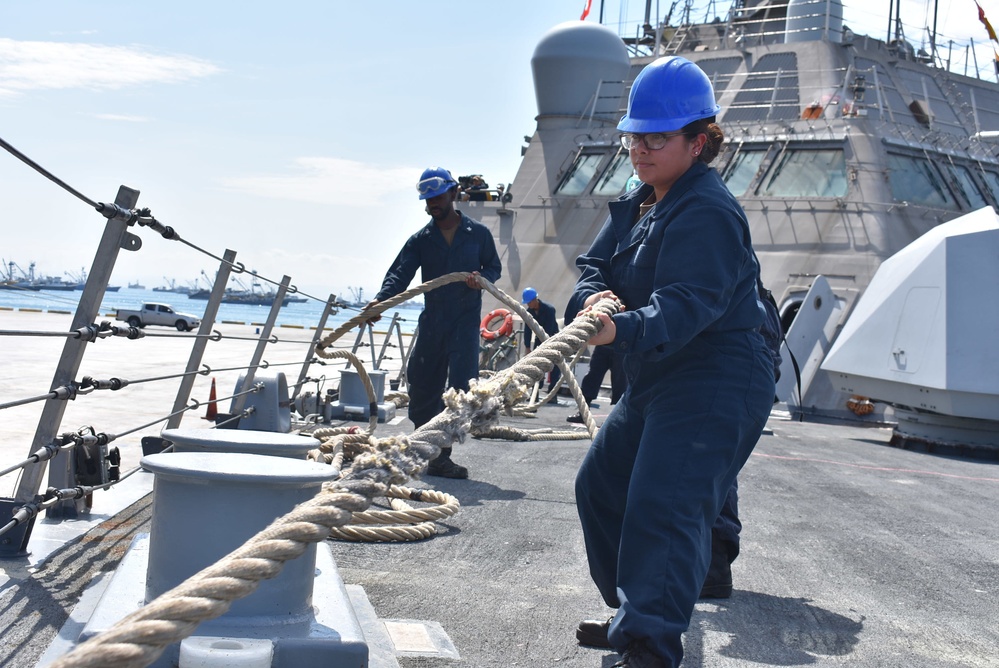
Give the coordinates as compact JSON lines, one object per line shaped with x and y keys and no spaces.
{"x":842,"y":149}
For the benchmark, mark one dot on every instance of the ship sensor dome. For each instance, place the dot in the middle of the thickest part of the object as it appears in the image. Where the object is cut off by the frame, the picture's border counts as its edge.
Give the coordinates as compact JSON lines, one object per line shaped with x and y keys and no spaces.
{"x":572,"y":62}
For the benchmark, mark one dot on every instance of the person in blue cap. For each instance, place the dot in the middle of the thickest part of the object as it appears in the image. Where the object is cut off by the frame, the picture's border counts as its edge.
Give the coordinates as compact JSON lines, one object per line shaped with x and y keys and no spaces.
{"x":446,"y":351}
{"x":677,"y":252}
{"x":544,"y":313}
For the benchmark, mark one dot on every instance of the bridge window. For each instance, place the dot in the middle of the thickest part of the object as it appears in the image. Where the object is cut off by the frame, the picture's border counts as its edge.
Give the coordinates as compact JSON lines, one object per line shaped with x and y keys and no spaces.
{"x":580,"y":174}
{"x":741,"y":170}
{"x":615,"y":177}
{"x":807,"y":173}
{"x":914,"y":180}
{"x":962,"y":184}
{"x":992,"y":183}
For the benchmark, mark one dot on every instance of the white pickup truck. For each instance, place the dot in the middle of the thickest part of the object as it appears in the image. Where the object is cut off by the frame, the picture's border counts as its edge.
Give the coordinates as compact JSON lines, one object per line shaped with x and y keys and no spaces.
{"x":158,"y":314}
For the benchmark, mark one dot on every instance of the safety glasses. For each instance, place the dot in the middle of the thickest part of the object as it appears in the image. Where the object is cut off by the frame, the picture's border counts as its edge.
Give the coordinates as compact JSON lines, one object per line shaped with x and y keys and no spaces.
{"x":432,"y":184}
{"x":653,"y":140}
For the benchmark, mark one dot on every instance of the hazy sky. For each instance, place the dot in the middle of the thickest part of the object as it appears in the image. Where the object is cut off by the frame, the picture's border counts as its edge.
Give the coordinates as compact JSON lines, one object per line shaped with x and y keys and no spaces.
{"x":291,"y":132}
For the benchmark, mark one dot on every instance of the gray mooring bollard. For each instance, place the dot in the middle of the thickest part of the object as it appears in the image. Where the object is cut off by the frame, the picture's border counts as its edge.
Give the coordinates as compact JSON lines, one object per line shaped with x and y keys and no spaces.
{"x":249,"y":441}
{"x":208,"y":504}
{"x":205,"y":505}
{"x":353,"y":403}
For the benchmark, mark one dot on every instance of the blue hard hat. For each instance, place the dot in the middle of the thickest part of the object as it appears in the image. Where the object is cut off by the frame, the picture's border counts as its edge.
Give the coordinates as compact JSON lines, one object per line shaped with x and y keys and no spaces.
{"x":667,"y":95}
{"x":530,"y":294}
{"x":435,"y":181}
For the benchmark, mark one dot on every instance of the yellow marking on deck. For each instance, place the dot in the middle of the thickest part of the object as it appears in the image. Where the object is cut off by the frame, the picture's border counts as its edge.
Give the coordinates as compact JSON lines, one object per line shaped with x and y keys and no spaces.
{"x":410,"y":637}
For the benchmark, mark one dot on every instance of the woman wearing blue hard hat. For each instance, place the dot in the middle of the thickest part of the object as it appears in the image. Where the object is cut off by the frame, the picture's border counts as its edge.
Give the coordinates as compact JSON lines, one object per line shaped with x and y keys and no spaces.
{"x":677,"y":252}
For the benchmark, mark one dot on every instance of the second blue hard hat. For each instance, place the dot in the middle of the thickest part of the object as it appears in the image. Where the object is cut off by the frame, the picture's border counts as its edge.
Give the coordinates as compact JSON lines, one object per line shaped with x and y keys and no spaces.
{"x":667,"y":95}
{"x":530,"y":294}
{"x":435,"y":181}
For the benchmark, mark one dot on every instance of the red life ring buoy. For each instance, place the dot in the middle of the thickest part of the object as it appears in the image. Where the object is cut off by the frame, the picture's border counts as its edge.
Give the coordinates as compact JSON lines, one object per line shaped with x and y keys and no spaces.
{"x":505,"y":329}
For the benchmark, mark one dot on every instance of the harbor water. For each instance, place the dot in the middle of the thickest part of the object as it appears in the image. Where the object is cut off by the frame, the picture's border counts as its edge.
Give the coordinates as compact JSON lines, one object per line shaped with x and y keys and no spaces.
{"x":296,"y":314}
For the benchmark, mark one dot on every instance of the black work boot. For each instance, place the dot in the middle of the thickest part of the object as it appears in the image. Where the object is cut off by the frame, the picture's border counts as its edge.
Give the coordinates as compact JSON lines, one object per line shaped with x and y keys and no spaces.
{"x":593,"y":632}
{"x":443,"y":467}
{"x":718,"y":583}
{"x":638,"y":655}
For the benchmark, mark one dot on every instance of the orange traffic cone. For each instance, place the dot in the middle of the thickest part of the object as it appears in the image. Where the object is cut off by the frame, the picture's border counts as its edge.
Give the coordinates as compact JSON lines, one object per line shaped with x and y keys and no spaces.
{"x":213,"y":409}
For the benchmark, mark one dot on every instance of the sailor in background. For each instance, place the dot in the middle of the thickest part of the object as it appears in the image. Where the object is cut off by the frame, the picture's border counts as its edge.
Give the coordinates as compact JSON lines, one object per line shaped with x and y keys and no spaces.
{"x":446,"y":351}
{"x":602,"y":360}
{"x":544,"y":313}
{"x":677,"y":253}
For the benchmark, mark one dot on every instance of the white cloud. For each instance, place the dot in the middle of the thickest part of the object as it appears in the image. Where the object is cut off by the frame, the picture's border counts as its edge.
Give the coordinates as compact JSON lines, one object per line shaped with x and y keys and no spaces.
{"x":28,"y":66}
{"x":329,"y":181}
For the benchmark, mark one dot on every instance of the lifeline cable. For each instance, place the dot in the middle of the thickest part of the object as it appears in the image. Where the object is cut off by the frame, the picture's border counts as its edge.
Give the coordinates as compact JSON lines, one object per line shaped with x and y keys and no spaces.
{"x":47,"y":174}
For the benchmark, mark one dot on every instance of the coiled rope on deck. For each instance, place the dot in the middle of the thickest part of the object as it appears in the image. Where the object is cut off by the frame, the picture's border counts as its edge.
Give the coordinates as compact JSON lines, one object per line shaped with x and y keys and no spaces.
{"x":341,"y":444}
{"x":403,"y":522}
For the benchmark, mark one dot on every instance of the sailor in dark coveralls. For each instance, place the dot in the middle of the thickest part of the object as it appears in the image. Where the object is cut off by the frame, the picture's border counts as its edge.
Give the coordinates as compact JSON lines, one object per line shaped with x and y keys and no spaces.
{"x":544,"y":313}
{"x":446,"y":351}
{"x":677,"y":253}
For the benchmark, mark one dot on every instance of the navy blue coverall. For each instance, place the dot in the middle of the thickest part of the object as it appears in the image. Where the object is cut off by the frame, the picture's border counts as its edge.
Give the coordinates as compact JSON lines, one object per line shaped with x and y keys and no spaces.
{"x":700,"y":388}
{"x":545,"y":315}
{"x":446,"y":352}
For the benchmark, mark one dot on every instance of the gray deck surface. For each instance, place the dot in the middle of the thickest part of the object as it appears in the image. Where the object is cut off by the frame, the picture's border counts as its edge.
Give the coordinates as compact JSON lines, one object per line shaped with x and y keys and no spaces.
{"x":853,"y":553}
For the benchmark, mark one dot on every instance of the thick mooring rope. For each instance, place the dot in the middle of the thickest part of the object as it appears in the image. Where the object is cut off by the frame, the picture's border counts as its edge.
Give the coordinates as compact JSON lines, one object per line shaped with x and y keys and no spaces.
{"x":342,"y":443}
{"x":403,"y":522}
{"x":140,"y":638}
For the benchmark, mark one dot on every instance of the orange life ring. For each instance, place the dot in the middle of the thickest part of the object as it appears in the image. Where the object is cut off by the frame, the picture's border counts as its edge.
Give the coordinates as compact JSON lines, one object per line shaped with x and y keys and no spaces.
{"x":505,"y":329}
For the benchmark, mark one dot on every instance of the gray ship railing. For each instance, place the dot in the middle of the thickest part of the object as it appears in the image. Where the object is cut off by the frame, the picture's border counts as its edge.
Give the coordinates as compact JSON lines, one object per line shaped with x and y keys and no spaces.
{"x":53,"y":448}
{"x":767,"y":24}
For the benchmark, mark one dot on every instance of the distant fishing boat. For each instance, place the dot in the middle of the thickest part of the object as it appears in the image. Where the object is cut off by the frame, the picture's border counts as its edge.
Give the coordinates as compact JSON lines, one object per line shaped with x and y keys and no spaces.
{"x":78,"y":281}
{"x":171,"y":286}
{"x":253,"y":296}
{"x":357,"y":297}
{"x":136,"y":286}
{"x":29,"y":281}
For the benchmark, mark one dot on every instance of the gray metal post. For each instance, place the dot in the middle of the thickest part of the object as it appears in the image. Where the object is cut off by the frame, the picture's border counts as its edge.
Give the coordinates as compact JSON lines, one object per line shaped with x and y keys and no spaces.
{"x":258,"y":353}
{"x":327,"y":311}
{"x":116,"y":236}
{"x":371,"y":343}
{"x":201,"y":341}
{"x":403,"y":373}
{"x":393,"y":326}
